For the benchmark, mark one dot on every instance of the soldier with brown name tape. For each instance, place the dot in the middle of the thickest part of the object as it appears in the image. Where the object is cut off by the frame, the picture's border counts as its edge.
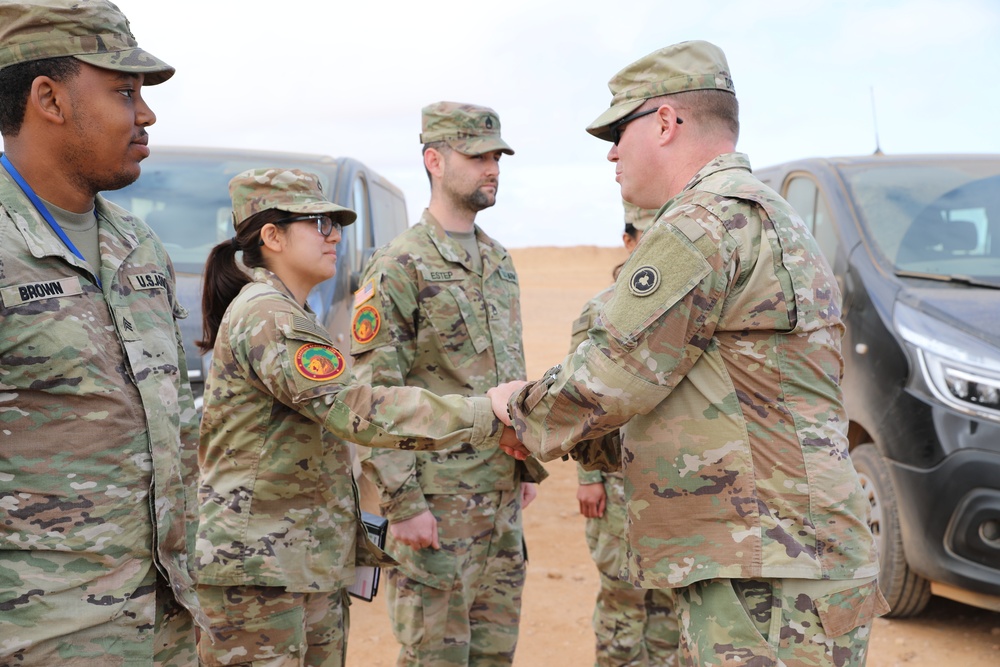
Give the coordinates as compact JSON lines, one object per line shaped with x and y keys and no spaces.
{"x":439,"y":308}
{"x":633,"y":627}
{"x":97,"y":421}
{"x":279,"y":531}
{"x":719,"y":358}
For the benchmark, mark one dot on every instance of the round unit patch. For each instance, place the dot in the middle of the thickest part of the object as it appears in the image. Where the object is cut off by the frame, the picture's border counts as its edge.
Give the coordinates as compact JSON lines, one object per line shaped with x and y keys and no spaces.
{"x":644,"y":281}
{"x":366,"y":324}
{"x":319,"y":362}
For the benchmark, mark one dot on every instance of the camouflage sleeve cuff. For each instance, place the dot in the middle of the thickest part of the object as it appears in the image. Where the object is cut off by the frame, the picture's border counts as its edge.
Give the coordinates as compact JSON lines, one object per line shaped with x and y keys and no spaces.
{"x":404,"y":505}
{"x":531,"y":470}
{"x":486,"y":428}
{"x":588,"y":476}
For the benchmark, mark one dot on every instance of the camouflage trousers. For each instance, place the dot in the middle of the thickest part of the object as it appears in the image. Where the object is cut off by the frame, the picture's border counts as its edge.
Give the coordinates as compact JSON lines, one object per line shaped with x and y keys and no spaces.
{"x":634,"y":627}
{"x":786,"y":622}
{"x":148,"y":628}
{"x":267,"y":626}
{"x":460,"y":605}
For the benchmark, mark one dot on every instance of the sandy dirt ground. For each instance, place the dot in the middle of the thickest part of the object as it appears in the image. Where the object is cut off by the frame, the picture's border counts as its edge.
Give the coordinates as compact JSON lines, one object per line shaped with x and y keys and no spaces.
{"x":562,"y":580}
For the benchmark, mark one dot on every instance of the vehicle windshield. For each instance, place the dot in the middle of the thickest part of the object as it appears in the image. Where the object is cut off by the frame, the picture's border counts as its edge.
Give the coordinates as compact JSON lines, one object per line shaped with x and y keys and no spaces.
{"x":185,"y":199}
{"x":934,"y":217}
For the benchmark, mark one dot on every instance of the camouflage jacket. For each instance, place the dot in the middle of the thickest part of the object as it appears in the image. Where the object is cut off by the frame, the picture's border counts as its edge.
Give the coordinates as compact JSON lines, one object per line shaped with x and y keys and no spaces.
{"x":721,"y":350}
{"x":590,"y":455}
{"x":446,"y":328}
{"x":278,"y":506}
{"x":97,"y":424}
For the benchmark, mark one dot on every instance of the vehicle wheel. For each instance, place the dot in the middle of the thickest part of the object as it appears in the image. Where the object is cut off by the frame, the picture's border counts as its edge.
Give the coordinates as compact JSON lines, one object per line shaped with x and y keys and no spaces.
{"x":906,"y":592}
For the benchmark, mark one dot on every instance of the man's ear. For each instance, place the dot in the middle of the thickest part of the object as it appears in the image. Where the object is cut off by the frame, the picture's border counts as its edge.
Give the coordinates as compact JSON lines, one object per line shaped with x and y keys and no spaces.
{"x":434,"y":162}
{"x":48,"y":99}
{"x":666,"y":116}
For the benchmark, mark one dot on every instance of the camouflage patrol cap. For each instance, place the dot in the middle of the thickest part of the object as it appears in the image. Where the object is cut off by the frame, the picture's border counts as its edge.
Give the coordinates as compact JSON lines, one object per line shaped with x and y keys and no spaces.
{"x":291,"y":190}
{"x":686,"y":66}
{"x":469,"y":129}
{"x":640,"y":218}
{"x":94,"y":31}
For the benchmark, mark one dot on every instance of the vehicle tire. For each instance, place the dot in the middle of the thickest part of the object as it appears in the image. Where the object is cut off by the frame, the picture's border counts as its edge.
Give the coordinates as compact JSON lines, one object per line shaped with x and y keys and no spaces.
{"x":906,"y":591}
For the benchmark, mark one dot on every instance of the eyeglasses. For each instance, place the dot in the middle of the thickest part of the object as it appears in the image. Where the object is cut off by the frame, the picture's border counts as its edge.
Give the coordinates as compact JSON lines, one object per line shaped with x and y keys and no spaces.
{"x":324,"y":223}
{"x":619,"y":126}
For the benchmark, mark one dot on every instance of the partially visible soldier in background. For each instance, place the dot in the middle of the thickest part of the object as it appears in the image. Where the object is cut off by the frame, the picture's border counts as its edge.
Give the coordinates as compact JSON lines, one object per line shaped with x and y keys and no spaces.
{"x":97,"y":445}
{"x":634,"y":627}
{"x":439,"y":308}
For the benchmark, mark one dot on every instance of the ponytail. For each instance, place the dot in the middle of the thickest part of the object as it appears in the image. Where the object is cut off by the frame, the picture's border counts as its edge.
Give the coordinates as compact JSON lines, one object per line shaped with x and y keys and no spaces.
{"x":224,"y":277}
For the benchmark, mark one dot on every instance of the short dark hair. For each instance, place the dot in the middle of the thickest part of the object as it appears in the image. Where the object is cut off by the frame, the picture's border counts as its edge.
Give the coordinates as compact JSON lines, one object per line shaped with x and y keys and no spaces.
{"x":718,"y":108}
{"x":15,"y":86}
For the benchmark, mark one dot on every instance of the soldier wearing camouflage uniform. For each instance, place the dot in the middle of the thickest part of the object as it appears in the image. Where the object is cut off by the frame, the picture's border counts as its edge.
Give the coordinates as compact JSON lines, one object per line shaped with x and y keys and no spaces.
{"x":97,"y":420}
{"x":634,"y":627}
{"x":439,"y":308}
{"x":279,"y":531}
{"x":719,"y":357}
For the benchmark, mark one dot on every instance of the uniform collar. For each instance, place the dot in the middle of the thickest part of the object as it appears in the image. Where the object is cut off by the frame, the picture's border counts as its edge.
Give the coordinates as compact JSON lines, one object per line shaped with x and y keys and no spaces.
{"x":40,"y":239}
{"x":450,"y":249}
{"x":261,"y":275}
{"x":717,"y":164}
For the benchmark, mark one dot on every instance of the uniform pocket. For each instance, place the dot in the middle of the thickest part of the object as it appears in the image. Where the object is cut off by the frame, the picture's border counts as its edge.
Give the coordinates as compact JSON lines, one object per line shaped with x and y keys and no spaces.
{"x":607,"y":548}
{"x":453,"y":318}
{"x":436,"y":568}
{"x":846,"y":610}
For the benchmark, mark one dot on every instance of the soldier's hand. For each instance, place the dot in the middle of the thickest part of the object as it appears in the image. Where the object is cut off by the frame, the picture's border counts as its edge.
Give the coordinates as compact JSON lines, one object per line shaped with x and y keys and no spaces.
{"x":592,"y":499}
{"x":417,"y":532}
{"x":499,"y":397}
{"x":529,"y":492}
{"x":511,"y":445}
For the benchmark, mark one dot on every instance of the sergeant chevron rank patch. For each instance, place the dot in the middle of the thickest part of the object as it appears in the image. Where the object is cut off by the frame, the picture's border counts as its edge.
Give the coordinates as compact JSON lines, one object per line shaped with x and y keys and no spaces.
{"x":644,"y":281}
{"x":366,"y":324}
{"x":319,"y":362}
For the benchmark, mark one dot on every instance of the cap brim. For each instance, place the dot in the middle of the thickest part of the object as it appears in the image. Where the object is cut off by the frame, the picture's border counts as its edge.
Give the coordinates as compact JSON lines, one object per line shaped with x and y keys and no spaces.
{"x":344,"y":216}
{"x":601,"y":127}
{"x":480,"y":145}
{"x":133,"y":61}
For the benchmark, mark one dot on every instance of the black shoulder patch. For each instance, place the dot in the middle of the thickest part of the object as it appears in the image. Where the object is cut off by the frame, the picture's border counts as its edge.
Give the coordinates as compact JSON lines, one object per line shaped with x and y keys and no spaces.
{"x":644,"y":281}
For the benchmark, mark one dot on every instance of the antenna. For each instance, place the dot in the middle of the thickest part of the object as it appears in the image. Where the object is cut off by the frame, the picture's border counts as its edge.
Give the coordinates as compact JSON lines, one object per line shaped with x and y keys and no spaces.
{"x":878,"y":148}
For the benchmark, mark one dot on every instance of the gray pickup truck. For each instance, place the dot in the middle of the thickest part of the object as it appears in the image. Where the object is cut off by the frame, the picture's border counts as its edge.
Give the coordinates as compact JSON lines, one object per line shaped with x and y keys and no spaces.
{"x":183,"y":195}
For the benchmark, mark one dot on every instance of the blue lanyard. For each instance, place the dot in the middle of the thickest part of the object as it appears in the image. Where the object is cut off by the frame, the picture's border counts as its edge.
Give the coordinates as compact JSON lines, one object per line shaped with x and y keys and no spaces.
{"x":42,"y":210}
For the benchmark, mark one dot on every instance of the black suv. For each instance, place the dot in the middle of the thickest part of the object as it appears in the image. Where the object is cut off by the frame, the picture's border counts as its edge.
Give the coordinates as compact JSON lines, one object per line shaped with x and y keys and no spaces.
{"x":915,"y":244}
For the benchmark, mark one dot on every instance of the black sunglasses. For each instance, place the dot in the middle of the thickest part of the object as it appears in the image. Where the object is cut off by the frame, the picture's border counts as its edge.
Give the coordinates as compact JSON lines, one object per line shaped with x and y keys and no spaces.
{"x":619,"y":126}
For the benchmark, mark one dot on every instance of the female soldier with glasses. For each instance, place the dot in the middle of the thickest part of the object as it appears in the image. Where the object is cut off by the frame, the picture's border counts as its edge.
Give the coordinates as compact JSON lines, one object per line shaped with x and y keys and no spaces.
{"x":279,"y":532}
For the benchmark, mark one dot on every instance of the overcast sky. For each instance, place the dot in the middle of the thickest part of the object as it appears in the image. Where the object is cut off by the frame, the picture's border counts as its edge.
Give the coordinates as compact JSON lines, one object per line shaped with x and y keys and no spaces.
{"x":349,"y":79}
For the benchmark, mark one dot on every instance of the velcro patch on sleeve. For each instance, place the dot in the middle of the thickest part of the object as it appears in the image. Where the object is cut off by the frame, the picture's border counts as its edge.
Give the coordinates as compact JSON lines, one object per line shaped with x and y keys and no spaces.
{"x":366,"y":324}
{"x":305,"y":325}
{"x":364,"y":294}
{"x":644,"y":281}
{"x":666,"y":268}
{"x":319,"y":363}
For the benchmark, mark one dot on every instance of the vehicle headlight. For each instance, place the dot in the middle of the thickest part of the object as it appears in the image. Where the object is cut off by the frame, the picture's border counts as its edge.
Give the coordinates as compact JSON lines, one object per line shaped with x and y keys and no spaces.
{"x":960,"y":370}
